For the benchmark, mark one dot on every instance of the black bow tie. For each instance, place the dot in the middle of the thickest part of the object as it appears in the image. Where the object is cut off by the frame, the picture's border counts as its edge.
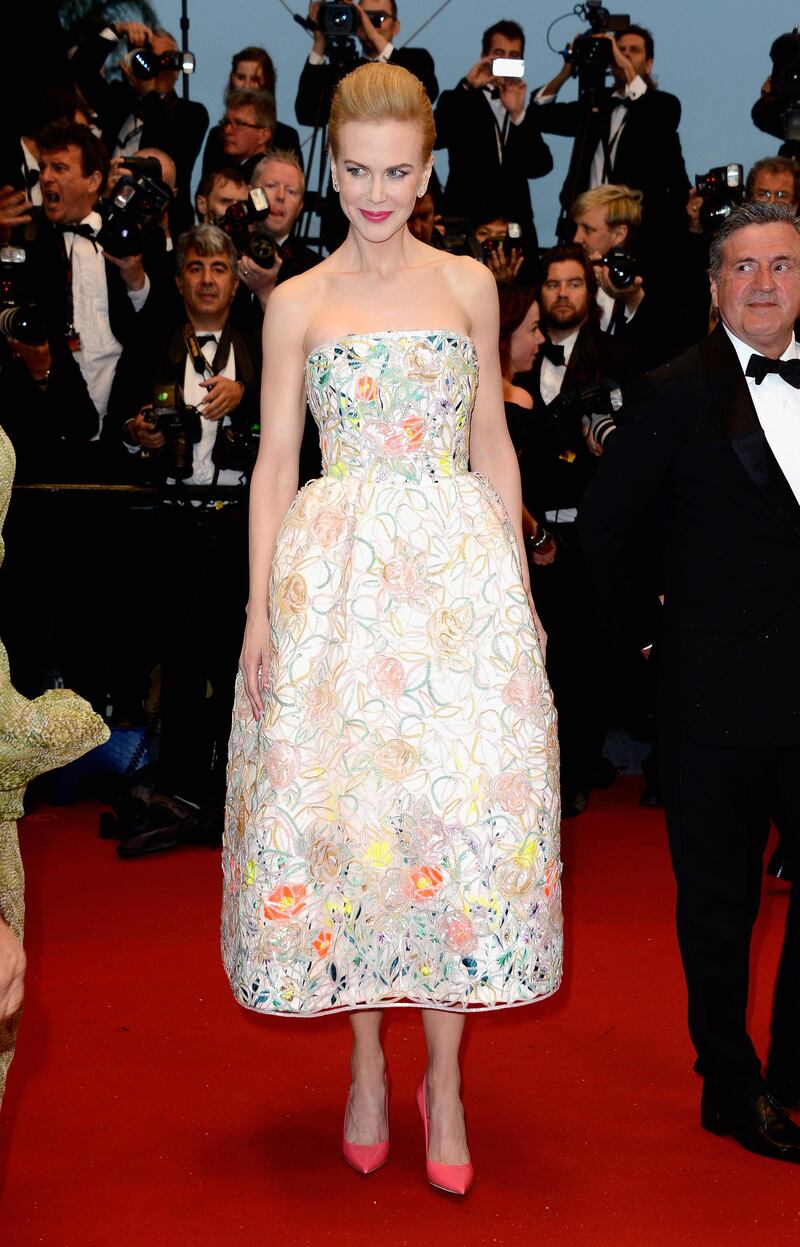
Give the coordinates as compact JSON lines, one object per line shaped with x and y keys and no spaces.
{"x":552,"y":352}
{"x":760,"y":366}
{"x":203,"y":338}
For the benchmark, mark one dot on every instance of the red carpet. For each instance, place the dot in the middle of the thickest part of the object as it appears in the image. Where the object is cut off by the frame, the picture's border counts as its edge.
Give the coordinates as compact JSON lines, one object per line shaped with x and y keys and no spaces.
{"x":144,"y":1107}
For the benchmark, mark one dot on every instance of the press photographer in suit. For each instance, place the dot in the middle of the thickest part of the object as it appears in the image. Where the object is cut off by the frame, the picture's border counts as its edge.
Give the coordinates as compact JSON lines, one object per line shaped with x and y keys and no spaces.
{"x":493,"y":139}
{"x":135,"y":113}
{"x":202,"y":545}
{"x":633,"y":137}
{"x":704,"y":483}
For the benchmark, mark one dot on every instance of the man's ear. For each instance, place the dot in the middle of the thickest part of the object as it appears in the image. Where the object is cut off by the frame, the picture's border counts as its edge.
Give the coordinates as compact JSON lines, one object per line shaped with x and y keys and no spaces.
{"x":621,"y":233}
{"x":714,"y":293}
{"x":95,"y":180}
{"x":201,"y":204}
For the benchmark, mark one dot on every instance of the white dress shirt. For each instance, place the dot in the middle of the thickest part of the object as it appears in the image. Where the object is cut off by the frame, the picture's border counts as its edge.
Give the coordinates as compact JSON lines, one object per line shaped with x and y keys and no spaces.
{"x":502,"y":119}
{"x":607,"y":307}
{"x":100,"y":350}
{"x":777,"y":405}
{"x":551,"y":377}
{"x":194,"y":393}
{"x":633,"y":90}
{"x":314,"y":58}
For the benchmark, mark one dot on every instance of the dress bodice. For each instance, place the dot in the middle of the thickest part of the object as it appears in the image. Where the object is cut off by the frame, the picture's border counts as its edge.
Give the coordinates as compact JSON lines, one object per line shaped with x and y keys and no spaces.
{"x":394,"y":404}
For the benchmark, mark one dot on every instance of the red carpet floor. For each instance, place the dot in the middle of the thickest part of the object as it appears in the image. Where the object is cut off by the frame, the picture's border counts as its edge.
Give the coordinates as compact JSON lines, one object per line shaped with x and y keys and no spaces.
{"x":144,"y":1107}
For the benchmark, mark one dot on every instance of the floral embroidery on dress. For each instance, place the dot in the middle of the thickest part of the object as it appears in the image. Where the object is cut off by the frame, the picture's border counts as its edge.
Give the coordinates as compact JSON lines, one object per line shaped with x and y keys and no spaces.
{"x":392,"y":828}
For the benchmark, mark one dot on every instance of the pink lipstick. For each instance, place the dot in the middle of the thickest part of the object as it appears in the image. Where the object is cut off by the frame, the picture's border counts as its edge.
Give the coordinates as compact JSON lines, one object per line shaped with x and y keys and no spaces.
{"x":375,"y":216}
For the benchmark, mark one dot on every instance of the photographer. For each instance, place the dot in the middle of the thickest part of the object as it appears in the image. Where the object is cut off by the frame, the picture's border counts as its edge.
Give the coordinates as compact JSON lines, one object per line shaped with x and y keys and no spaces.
{"x":376,"y":26}
{"x":279,"y":175}
{"x":216,"y":192}
{"x":247,"y":132}
{"x":136,"y":113}
{"x":203,"y":546}
{"x":57,"y":389}
{"x":252,"y":69}
{"x":493,"y":139}
{"x":775,"y":112}
{"x":632,"y":136}
{"x":556,"y":466}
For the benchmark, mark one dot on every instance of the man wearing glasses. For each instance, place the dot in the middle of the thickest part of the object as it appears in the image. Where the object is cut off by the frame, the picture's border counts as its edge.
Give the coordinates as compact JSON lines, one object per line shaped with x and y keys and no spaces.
{"x":247,"y":129}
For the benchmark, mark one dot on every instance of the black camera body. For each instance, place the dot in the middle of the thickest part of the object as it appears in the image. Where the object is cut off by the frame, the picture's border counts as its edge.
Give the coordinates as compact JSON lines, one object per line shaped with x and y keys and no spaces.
{"x":20,"y":318}
{"x":338,"y":23}
{"x":144,"y":63}
{"x":181,"y":427}
{"x":622,"y":268}
{"x":239,"y":217}
{"x":722,"y":189}
{"x":132,"y":211}
{"x":567,"y":412}
{"x":591,"y":57}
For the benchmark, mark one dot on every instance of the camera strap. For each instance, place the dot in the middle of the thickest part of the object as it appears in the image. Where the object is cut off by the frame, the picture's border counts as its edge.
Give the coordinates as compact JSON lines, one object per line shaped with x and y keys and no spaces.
{"x":199,"y":362}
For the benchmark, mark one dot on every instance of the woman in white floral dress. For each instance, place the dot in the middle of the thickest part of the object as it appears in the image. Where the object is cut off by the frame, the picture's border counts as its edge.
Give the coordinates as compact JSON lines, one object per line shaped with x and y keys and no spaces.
{"x":392,"y":821}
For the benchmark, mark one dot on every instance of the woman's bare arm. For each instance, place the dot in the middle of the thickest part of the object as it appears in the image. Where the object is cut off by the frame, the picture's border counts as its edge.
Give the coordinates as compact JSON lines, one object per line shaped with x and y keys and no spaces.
{"x":274,"y":482}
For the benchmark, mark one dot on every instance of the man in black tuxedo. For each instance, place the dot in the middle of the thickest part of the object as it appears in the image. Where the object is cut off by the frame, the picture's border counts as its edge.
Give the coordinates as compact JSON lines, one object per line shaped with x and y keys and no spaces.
{"x":200,"y":556}
{"x":90,"y":303}
{"x":632,"y":138}
{"x":556,"y":466}
{"x":494,"y":142}
{"x":133,"y":113}
{"x":705,"y":484}
{"x":377,"y":26}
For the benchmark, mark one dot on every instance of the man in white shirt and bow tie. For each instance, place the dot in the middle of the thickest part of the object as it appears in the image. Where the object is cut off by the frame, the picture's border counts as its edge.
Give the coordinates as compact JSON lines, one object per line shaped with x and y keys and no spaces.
{"x":701,"y":490}
{"x":89,"y":300}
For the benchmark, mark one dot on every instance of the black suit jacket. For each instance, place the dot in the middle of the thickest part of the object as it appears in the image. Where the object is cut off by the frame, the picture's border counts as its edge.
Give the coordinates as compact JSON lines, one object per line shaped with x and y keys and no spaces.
{"x":317,"y":83}
{"x":175,"y":125}
{"x":480,"y":186}
{"x":691,"y":484}
{"x":284,"y":138}
{"x":648,"y":155}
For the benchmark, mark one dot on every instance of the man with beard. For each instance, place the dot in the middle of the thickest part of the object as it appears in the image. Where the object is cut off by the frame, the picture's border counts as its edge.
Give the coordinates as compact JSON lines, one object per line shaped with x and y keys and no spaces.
{"x":556,"y":466}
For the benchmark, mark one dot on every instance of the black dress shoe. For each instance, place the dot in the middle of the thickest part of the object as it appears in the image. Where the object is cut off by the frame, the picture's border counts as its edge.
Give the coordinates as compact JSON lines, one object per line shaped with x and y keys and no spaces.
{"x":778,"y":866}
{"x":785,"y":1090}
{"x":759,"y":1124}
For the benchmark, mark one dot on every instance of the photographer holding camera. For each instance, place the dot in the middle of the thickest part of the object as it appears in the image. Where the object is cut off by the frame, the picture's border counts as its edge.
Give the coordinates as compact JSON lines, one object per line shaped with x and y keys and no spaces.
{"x":88,"y":303}
{"x":375,"y":24}
{"x":571,"y":377}
{"x":248,"y":128}
{"x":139,"y":112}
{"x":493,"y":140}
{"x":189,"y":411}
{"x":632,"y":135}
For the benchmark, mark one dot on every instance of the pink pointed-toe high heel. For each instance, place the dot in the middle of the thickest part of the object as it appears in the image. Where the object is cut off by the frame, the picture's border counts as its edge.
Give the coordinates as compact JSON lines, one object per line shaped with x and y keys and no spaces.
{"x":455,"y":1179}
{"x":365,"y":1157}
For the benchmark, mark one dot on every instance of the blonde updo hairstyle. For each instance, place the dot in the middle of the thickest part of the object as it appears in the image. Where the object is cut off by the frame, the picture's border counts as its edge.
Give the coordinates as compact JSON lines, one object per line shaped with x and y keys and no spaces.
{"x":381,"y":92}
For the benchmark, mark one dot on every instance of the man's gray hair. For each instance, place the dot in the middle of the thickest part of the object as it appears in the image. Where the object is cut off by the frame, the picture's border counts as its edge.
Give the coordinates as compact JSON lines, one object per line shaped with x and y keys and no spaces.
{"x":281,"y":156}
{"x":747,"y":214}
{"x":261,"y":102}
{"x":205,"y":240}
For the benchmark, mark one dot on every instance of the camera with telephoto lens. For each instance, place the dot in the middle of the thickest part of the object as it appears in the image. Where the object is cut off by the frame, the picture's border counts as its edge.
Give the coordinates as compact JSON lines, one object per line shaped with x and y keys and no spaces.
{"x":338,"y":23}
{"x":133,"y":209}
{"x":20,"y":318}
{"x":143,"y":63}
{"x":621,"y":268}
{"x":722,"y":190}
{"x":785,"y":81}
{"x":567,"y":412}
{"x":592,"y":57}
{"x":238,"y":223}
{"x":181,"y":427}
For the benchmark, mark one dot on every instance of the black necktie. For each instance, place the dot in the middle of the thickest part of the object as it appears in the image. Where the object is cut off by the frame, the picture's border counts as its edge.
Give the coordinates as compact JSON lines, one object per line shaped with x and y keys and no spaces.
{"x":552,"y":352}
{"x":493,"y":93}
{"x":760,"y":366}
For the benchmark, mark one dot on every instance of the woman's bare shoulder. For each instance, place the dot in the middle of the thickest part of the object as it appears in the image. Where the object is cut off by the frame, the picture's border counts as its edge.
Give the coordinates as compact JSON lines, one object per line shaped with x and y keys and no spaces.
{"x":467,"y":275}
{"x":292,"y":304}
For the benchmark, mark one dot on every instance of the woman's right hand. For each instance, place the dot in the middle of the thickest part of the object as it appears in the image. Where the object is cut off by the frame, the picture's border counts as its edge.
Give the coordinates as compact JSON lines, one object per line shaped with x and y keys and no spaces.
{"x":254,"y":661}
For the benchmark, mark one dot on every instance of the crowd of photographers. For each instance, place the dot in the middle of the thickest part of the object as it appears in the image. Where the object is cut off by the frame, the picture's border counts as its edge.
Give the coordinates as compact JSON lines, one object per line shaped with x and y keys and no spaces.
{"x":130,"y":319}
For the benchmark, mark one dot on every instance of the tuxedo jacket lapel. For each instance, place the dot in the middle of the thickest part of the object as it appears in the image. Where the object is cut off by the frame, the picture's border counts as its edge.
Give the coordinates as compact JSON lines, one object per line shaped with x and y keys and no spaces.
{"x":741,"y":425}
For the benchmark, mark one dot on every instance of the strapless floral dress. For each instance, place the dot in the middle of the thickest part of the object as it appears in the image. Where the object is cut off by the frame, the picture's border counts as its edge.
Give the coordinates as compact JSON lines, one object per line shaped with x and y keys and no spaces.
{"x":392,"y":822}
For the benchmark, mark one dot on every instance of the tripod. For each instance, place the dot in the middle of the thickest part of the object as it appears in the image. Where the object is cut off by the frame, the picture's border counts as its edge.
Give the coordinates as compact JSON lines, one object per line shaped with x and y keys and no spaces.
{"x":594,"y":106}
